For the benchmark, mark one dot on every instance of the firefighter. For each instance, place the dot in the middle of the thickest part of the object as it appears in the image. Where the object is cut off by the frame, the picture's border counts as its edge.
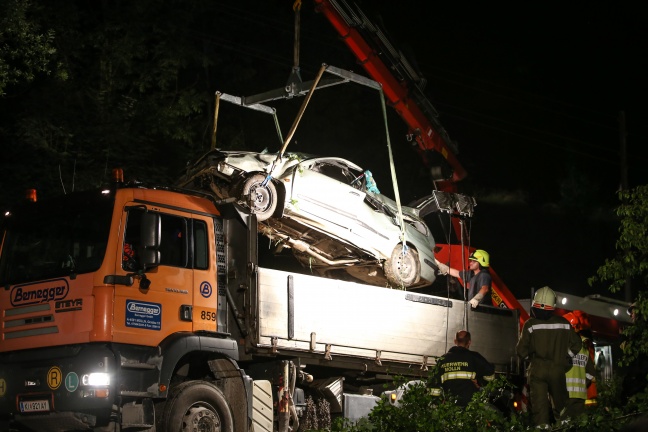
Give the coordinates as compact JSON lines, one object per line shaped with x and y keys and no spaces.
{"x":581,"y":377}
{"x":477,"y":280}
{"x":548,"y":343}
{"x":462,"y":372}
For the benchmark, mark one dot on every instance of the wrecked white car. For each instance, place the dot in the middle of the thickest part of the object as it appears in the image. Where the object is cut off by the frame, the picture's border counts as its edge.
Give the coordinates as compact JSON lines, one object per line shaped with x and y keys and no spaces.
{"x":327,"y":210}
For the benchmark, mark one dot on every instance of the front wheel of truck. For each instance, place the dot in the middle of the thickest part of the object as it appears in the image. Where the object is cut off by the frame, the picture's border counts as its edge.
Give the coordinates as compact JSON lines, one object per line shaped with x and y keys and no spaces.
{"x":196,"y":406}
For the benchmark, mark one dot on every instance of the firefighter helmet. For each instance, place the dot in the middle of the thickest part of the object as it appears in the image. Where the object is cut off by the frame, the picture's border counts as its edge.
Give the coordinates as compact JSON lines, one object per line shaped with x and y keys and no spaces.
{"x":579,"y":320}
{"x":481,"y":256}
{"x":545,"y":298}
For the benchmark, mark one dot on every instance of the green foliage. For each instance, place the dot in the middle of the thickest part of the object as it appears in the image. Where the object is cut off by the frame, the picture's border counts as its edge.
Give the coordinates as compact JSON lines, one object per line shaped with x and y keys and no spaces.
{"x":138,"y":93}
{"x":25,"y":49}
{"x":418,"y":410}
{"x":631,"y":261}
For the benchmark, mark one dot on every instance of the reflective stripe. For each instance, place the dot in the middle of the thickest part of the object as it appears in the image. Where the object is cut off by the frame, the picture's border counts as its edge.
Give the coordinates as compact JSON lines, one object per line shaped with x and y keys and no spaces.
{"x":457,"y":375}
{"x":557,"y":326}
{"x":489,"y":378}
{"x":577,"y":389}
{"x":591,"y":402}
{"x":435,"y":392}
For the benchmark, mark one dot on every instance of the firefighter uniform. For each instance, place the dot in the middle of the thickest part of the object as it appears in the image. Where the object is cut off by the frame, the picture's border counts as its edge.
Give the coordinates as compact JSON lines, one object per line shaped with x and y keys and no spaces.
{"x":462,"y":372}
{"x":548,"y":344}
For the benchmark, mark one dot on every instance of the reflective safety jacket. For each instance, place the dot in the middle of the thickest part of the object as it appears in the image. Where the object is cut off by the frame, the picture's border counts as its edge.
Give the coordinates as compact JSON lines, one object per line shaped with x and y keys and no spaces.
{"x":462,"y":372}
{"x":581,"y":373}
{"x":552,"y":340}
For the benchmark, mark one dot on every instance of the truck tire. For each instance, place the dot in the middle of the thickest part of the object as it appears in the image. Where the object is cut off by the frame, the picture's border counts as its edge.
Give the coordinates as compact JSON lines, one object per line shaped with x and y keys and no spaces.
{"x":196,"y":406}
{"x":261,"y":199}
{"x":402,"y":270}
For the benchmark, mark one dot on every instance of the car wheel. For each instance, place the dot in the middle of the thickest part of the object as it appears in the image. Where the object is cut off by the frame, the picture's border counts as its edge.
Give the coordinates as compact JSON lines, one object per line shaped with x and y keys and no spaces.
{"x":403,"y":268}
{"x":260,"y":198}
{"x":196,"y":406}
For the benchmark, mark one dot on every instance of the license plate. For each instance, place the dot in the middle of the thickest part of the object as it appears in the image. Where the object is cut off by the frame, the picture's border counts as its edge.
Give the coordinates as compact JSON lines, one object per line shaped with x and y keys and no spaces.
{"x":34,"y":406}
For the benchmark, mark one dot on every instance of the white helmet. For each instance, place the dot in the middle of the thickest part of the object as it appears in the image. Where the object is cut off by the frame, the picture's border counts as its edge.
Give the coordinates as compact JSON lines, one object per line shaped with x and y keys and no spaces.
{"x":544,"y":299}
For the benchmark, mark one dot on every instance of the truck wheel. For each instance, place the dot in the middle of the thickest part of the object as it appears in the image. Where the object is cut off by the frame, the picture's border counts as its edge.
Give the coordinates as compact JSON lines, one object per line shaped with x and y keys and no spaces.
{"x":402,"y":269}
{"x":261,"y":199}
{"x":196,"y":406}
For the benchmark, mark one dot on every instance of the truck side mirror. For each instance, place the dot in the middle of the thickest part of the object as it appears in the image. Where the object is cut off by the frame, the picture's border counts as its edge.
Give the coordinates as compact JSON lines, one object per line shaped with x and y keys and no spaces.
{"x":150,"y":234}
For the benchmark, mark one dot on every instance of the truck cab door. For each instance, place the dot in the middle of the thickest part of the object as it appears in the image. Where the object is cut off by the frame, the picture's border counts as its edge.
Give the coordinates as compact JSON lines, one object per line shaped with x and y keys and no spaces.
{"x":156,"y":253}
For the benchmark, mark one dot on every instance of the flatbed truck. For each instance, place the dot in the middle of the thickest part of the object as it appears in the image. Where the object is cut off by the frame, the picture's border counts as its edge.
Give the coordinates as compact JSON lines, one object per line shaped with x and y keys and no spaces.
{"x":135,"y":308}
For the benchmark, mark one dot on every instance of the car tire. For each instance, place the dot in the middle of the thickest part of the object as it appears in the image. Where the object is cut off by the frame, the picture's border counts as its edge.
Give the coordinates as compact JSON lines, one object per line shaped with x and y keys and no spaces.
{"x":261,"y":199}
{"x":196,"y":405}
{"x":403,"y":270}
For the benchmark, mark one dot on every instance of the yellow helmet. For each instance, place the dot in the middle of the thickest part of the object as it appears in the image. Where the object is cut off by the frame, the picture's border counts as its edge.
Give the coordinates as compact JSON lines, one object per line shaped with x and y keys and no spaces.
{"x":481,"y":256}
{"x":545,"y":298}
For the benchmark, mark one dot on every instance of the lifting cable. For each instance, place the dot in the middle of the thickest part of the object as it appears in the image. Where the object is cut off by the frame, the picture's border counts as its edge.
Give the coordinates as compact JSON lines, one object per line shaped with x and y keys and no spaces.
{"x":297,"y":9}
{"x":293,"y":128}
{"x":401,"y":223}
{"x":464,"y":233}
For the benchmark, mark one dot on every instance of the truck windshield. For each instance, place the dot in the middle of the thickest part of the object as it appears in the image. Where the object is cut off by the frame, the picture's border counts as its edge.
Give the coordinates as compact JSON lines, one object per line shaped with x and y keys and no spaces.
{"x":55,"y":238}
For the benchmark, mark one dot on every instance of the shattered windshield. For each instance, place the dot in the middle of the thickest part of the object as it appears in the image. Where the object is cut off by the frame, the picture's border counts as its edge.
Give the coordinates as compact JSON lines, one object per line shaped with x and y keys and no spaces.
{"x":55,"y":238}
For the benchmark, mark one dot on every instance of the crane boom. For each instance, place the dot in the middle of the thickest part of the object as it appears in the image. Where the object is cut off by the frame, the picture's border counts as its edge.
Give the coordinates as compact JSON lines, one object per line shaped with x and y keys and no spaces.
{"x":408,"y":100}
{"x":403,"y":88}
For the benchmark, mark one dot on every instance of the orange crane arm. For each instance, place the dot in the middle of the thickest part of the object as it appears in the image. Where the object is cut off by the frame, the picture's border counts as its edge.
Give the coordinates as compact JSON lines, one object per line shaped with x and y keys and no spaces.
{"x":402,"y":95}
{"x":397,"y":93}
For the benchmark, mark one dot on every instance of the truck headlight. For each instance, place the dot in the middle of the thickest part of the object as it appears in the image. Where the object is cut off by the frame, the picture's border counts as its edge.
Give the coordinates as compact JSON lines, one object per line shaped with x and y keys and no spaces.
{"x":96,"y":379}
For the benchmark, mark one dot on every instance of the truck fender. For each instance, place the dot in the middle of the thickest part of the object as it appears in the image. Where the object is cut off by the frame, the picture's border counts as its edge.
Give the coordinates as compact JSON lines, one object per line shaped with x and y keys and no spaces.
{"x":177,"y":346}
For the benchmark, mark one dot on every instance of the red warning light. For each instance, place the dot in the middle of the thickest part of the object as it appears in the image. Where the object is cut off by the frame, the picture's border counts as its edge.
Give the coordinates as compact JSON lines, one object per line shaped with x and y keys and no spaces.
{"x":31,"y":195}
{"x":118,"y":175}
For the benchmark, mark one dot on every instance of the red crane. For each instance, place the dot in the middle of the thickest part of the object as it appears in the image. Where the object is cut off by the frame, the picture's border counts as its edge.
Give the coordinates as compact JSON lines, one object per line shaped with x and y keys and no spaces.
{"x":403,"y":89}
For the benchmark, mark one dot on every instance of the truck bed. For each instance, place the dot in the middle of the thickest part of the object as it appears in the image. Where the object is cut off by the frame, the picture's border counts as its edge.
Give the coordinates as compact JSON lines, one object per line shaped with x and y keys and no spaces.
{"x":300,"y":314}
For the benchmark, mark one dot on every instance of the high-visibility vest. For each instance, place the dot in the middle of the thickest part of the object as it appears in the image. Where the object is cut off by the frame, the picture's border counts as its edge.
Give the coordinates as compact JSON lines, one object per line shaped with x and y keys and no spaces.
{"x":577,"y":376}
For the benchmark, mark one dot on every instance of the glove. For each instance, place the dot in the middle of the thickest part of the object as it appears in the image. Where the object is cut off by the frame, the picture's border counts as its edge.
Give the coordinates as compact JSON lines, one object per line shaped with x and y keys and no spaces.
{"x":474,"y":302}
{"x":443,"y":269}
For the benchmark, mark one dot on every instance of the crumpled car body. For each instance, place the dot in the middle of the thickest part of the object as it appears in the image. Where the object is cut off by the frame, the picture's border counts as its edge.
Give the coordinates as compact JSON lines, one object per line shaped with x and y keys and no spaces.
{"x":320,"y":208}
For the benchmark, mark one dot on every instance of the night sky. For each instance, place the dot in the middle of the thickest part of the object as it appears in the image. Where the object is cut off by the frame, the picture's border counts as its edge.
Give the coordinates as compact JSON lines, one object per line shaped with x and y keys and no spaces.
{"x":532,"y":94}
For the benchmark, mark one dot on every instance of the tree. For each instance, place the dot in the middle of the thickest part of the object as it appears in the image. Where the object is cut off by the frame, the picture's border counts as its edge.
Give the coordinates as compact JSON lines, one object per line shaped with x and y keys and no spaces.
{"x":631,"y":263}
{"x":25,"y":49}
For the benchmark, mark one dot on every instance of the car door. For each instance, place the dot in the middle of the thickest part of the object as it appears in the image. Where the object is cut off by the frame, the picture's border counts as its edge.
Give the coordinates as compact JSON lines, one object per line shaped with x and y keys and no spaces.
{"x":321,"y":192}
{"x":329,"y":194}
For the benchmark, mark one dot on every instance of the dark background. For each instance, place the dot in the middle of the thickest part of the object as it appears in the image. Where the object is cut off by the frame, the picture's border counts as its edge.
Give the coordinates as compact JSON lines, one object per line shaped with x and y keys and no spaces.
{"x":531,"y":93}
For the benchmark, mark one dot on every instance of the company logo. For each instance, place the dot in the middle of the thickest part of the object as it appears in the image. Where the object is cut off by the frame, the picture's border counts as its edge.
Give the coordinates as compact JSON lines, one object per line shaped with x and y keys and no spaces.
{"x":23,"y":295}
{"x":206,"y":289}
{"x":144,"y":308}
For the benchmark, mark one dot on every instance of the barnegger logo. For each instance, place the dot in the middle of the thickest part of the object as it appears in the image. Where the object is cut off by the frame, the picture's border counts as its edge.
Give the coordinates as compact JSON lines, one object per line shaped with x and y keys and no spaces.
{"x":43,"y":292}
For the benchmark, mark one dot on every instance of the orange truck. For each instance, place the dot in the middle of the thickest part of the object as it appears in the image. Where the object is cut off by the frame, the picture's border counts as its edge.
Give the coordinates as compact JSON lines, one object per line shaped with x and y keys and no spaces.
{"x":145,"y":309}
